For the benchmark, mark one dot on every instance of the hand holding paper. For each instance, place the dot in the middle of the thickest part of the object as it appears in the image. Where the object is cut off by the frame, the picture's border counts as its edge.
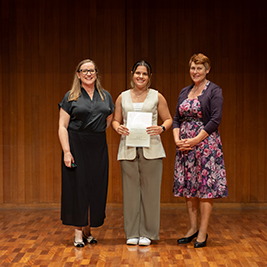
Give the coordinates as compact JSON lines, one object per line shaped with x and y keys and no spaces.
{"x":122,"y":130}
{"x":154,"y":130}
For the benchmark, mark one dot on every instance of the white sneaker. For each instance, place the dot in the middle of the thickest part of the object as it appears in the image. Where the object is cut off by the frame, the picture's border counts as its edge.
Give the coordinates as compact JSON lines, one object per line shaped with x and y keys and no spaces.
{"x":132,"y":241}
{"x":144,"y":241}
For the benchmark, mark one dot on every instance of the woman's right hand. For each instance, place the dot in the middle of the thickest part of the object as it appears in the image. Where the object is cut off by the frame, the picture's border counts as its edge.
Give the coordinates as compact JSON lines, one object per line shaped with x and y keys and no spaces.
{"x":122,"y":130}
{"x":182,"y":145}
{"x":68,"y":159}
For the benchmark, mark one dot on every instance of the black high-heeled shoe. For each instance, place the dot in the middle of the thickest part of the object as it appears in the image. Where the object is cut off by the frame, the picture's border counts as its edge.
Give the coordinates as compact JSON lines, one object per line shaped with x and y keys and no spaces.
{"x":186,"y":240}
{"x":201,"y":244}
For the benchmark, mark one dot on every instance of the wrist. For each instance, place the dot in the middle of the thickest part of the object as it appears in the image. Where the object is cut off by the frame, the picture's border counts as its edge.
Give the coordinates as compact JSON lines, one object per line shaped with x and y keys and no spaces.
{"x":163,"y":128}
{"x":197,"y":139}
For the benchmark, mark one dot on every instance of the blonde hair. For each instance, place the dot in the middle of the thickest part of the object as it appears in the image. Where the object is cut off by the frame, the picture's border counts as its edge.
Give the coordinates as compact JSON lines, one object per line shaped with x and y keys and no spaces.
{"x":75,"y":90}
{"x":200,"y":59}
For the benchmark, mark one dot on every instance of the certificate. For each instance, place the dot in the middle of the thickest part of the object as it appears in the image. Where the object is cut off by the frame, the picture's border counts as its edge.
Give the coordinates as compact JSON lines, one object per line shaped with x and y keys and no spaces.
{"x":137,"y":123}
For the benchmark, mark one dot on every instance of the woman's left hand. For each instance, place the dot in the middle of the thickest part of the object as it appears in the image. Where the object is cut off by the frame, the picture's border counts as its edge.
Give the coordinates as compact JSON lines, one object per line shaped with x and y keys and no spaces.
{"x":191,"y":142}
{"x":154,"y":130}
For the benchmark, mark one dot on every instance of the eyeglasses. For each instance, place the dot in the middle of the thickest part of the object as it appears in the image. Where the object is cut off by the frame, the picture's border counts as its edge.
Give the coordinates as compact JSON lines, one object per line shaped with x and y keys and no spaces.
{"x":85,"y":71}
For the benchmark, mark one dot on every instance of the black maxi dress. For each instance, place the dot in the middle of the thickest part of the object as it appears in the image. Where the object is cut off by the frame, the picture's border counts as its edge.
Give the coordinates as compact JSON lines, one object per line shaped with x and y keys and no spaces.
{"x":86,"y":185}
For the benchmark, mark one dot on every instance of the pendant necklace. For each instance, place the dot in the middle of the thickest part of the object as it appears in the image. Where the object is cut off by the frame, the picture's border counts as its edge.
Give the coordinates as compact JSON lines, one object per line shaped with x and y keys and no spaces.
{"x":139,"y":95}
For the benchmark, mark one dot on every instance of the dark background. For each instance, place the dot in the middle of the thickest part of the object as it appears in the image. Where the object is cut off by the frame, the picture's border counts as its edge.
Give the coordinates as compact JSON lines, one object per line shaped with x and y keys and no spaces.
{"x":42,"y":41}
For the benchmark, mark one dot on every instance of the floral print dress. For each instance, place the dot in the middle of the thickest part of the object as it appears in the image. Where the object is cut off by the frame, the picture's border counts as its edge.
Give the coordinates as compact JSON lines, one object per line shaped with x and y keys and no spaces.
{"x":201,"y":171}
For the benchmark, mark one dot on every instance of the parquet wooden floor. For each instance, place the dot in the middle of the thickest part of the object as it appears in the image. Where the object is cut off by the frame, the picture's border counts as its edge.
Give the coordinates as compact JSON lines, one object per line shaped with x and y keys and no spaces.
{"x":237,"y":237}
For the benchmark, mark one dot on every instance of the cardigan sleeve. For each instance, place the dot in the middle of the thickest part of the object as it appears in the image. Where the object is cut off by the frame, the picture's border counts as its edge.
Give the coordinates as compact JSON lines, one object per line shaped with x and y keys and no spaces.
{"x":182,"y":96}
{"x":176,"y":118}
{"x":214,"y":110}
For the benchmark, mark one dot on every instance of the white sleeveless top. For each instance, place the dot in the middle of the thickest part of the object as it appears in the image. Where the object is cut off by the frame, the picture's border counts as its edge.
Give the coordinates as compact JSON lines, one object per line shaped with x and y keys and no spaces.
{"x":156,"y":149}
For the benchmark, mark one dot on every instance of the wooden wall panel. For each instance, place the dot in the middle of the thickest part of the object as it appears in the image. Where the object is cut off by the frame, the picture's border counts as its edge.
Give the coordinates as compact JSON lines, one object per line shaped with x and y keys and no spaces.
{"x":41,"y":44}
{"x":43,"y":41}
{"x":167,"y":34}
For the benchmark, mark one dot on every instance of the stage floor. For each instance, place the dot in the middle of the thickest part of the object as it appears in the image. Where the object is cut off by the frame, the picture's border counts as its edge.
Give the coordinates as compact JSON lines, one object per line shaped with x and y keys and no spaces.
{"x":36,"y":237}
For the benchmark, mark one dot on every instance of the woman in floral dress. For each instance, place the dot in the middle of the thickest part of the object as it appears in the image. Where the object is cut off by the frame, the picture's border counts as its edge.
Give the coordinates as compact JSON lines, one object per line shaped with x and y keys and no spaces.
{"x":199,"y":173}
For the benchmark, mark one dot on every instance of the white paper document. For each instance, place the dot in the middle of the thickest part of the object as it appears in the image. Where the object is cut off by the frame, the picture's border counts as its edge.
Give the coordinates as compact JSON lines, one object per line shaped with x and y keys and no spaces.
{"x":137,"y":123}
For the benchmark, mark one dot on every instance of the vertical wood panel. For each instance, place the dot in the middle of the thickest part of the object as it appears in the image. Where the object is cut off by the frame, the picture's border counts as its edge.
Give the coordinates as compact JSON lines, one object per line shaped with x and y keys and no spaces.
{"x":43,"y":41}
{"x":41,"y":44}
{"x":230,"y":36}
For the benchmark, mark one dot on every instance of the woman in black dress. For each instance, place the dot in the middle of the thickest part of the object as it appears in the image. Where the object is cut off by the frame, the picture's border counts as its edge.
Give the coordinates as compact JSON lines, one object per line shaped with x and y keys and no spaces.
{"x":86,"y":111}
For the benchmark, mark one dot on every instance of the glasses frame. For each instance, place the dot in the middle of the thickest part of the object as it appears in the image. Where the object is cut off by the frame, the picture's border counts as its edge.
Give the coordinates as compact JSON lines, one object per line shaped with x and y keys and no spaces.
{"x":92,"y":71}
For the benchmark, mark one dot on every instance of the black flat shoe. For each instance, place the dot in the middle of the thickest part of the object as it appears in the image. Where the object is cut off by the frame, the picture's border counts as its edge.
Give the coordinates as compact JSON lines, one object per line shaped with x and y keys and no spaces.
{"x":79,"y":244}
{"x":89,"y":239}
{"x":186,"y":240}
{"x":201,"y":244}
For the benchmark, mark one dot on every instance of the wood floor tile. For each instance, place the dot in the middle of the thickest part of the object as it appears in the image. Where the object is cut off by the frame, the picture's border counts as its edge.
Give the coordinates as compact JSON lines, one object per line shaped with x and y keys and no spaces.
{"x":237,"y":237}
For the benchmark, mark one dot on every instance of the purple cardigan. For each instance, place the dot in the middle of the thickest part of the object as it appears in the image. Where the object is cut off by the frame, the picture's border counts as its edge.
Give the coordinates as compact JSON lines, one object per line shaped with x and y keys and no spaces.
{"x":211,"y":102}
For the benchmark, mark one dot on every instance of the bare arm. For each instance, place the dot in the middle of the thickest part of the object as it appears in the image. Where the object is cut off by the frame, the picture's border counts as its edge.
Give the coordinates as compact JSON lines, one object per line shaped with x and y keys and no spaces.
{"x":176,"y":136}
{"x":164,"y":114}
{"x":187,"y":144}
{"x":64,"y":119}
{"x":196,"y":140}
{"x":109,"y":120}
{"x":181,"y":144}
{"x":117,"y":119}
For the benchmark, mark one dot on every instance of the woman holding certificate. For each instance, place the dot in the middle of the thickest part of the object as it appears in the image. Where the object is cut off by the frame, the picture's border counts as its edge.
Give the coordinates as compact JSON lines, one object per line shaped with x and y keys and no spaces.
{"x":140,"y":154}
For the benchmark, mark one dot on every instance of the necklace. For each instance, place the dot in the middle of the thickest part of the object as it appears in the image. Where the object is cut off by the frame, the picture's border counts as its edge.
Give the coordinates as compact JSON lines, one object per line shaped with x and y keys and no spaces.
{"x":138,"y":96}
{"x":193,"y":91}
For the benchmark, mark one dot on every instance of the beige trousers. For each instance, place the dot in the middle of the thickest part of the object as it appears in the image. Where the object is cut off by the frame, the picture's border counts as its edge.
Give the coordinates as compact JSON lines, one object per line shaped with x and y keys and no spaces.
{"x":141,"y":183}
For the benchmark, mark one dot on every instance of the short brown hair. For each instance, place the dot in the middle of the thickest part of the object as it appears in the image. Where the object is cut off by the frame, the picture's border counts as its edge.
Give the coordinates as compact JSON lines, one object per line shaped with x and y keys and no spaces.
{"x":200,"y":59}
